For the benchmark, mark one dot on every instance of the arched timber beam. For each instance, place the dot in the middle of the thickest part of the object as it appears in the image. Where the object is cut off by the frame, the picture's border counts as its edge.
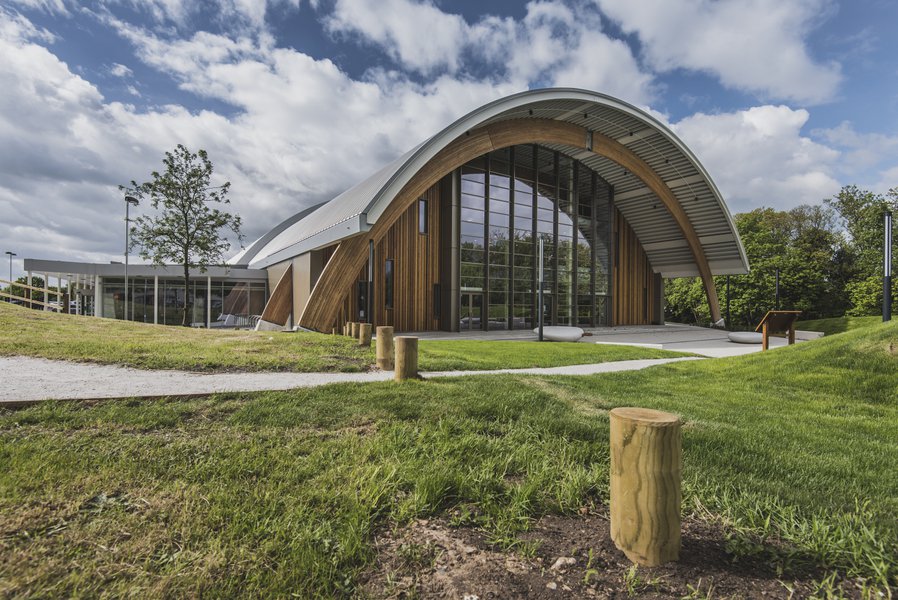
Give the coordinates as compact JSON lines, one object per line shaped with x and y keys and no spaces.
{"x":323,"y":307}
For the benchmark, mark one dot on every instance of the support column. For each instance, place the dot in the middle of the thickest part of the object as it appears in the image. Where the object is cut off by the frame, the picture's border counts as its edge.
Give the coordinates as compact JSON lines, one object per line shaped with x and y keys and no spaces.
{"x":208,"y":301}
{"x":455,"y":253}
{"x":155,"y":299}
{"x":98,"y":297}
{"x":46,"y":290}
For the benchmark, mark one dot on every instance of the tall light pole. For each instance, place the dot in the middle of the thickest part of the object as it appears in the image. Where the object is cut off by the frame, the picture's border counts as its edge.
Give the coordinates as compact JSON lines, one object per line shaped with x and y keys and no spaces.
{"x":129,"y":202}
{"x":776,"y":303}
{"x":540,"y":301}
{"x":11,"y":254}
{"x":887,"y":270}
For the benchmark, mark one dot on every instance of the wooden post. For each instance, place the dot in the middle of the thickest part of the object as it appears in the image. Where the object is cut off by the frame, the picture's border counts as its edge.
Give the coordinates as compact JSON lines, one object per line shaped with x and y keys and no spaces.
{"x":792,"y":333}
{"x":646,"y":459}
{"x":334,"y":331}
{"x":354,"y":331}
{"x":346,"y":328}
{"x":384,"y":347}
{"x":765,"y":336}
{"x":406,"y":358}
{"x":365,"y":335}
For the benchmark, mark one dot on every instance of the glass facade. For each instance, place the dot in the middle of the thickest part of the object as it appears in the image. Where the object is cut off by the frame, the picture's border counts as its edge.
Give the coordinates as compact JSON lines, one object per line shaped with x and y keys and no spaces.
{"x":511,"y":198}
{"x":239,"y":299}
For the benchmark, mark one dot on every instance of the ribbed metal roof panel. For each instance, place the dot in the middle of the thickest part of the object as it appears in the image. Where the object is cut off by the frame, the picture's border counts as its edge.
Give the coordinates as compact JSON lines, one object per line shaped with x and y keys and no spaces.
{"x":358,"y":208}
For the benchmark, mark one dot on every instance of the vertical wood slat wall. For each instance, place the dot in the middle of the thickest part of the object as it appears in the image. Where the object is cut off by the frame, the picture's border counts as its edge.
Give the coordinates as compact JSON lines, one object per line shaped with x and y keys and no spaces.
{"x":633,"y":286}
{"x":416,"y":268}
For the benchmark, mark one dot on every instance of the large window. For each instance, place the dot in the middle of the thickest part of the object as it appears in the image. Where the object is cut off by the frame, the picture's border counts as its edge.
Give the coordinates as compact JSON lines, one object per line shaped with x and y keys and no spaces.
{"x":422,"y":216}
{"x":510,"y":199}
{"x":234,"y":303}
{"x":388,"y":283}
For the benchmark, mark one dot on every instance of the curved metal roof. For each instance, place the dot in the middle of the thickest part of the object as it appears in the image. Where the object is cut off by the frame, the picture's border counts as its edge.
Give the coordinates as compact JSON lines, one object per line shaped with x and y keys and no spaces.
{"x":357,"y":209}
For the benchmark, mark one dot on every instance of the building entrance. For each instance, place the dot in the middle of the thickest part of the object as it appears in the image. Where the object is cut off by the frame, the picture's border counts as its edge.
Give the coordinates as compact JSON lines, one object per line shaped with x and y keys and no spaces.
{"x":470,"y":311}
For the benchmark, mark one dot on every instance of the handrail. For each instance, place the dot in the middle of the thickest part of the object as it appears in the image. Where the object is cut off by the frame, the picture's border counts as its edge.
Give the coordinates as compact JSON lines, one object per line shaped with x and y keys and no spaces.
{"x":24,"y":299}
{"x":48,"y":290}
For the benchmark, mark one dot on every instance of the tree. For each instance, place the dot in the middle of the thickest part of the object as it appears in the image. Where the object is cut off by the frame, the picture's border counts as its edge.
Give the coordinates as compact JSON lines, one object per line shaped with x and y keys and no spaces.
{"x":187,"y":229}
{"x":862,"y":212}
{"x":803,"y":243}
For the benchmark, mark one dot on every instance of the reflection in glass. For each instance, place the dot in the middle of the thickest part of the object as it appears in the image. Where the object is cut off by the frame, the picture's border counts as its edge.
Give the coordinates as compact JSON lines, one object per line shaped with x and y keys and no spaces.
{"x":510,"y":197}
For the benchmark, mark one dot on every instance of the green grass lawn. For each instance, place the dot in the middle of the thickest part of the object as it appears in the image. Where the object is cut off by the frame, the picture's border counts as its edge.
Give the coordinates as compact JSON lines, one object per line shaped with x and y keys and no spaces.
{"x":794,"y":450}
{"x":68,"y":337}
{"x":837,"y":324}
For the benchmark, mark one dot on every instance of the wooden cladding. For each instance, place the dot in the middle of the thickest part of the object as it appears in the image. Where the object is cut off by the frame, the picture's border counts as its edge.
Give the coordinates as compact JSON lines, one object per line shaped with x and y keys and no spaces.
{"x":416,"y":271}
{"x":416,"y":268}
{"x":280,"y":304}
{"x":323,"y":309}
{"x":633,"y":288}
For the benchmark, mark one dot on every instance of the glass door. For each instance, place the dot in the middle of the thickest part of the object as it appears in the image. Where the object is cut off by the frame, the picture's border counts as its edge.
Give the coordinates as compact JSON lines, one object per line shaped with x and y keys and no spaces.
{"x":470,"y":311}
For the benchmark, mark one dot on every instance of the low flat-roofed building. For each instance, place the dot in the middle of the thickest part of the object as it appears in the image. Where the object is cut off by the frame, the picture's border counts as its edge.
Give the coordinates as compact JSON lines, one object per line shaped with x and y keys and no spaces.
{"x":222,"y":296}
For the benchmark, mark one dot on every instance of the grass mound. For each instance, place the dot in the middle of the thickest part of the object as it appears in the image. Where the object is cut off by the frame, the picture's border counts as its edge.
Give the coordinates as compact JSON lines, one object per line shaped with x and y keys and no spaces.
{"x":837,"y":324}
{"x":88,"y":339}
{"x":793,"y":452}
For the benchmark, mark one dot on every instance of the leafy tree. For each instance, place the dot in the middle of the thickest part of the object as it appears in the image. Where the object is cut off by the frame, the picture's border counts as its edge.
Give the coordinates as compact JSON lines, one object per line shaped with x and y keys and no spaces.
{"x":187,"y":229}
{"x":861,"y":212}
{"x":803,"y":243}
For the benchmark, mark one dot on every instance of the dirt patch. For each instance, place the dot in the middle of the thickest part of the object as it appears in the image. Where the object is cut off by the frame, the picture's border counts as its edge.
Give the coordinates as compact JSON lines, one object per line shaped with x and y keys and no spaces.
{"x":574,"y":557}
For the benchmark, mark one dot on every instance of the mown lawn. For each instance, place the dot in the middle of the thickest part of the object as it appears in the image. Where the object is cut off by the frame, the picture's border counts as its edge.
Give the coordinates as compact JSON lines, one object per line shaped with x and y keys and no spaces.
{"x":27,"y":332}
{"x":794,"y":450}
{"x":838,"y":324}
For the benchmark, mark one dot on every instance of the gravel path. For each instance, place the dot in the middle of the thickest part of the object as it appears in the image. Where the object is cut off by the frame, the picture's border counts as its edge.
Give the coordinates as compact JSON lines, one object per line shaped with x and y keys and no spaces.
{"x":25,"y":380}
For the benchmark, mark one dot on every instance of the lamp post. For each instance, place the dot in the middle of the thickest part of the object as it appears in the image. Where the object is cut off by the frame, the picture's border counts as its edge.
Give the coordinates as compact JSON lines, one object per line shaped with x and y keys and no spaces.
{"x":11,"y":254}
{"x":887,"y":269}
{"x":540,"y":299}
{"x":129,"y":202}
{"x":776,"y":303}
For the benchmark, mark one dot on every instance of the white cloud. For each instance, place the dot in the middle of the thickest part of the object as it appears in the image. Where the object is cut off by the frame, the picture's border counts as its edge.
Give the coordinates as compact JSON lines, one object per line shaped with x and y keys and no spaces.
{"x":417,"y":34}
{"x":862,"y":150}
{"x":249,"y":15}
{"x":554,"y":44}
{"x":888,"y":180}
{"x":119,"y":70}
{"x":47,"y":6}
{"x":304,"y":132}
{"x":759,"y":157}
{"x":752,"y":45}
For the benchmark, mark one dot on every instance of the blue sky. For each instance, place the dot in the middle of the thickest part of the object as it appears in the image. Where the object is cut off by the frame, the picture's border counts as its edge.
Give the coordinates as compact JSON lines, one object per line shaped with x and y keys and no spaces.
{"x":784,"y":101}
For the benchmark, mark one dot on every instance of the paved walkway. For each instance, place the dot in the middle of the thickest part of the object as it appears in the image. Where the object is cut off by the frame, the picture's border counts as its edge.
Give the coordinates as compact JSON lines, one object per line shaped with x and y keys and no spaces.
{"x":27,"y":380}
{"x":670,"y":336}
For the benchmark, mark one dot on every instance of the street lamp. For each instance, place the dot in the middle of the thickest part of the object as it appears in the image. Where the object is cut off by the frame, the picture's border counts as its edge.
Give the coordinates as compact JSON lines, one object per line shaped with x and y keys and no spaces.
{"x":887,"y":269}
{"x":129,"y":202}
{"x":11,"y":254}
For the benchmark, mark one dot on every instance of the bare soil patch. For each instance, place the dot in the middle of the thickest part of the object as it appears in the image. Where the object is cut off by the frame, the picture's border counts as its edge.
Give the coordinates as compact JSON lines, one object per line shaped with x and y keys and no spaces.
{"x":574,"y":558}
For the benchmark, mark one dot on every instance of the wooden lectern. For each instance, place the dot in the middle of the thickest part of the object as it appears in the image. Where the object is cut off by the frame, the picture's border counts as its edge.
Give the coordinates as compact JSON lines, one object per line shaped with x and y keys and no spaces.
{"x":778,"y":321}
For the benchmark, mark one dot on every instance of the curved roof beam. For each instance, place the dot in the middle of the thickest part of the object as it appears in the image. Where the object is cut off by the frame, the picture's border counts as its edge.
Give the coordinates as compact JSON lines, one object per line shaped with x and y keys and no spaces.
{"x":321,"y":312}
{"x":358,"y":209}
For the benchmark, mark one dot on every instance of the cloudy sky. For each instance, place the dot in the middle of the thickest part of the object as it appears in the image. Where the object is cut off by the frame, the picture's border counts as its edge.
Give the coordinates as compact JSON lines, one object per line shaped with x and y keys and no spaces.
{"x":784,"y":101}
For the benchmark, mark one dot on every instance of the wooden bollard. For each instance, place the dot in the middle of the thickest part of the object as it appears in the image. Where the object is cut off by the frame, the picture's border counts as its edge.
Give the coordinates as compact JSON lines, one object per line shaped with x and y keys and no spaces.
{"x":334,"y":331}
{"x":365,"y":335}
{"x":354,"y":332}
{"x":406,"y":365}
{"x":646,"y":463}
{"x":384,"y":348}
{"x":346,"y":328}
